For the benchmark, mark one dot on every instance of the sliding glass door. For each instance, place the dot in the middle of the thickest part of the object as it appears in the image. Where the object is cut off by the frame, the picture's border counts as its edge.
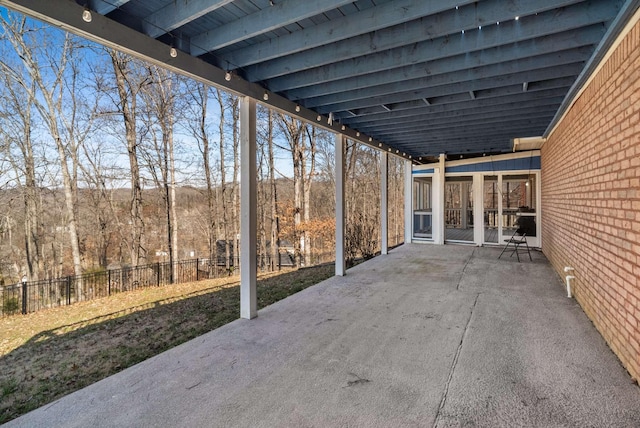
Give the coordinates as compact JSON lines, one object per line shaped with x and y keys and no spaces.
{"x":476,"y":208}
{"x":490,"y":198}
{"x":519,"y":206}
{"x":422,"y":208}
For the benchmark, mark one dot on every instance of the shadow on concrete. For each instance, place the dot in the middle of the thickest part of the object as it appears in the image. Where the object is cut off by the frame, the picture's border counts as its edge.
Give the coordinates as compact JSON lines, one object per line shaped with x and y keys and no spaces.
{"x":425,"y":336}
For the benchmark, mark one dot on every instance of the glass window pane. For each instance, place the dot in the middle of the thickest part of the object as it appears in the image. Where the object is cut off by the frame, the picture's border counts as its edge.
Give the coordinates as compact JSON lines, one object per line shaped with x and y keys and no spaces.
{"x":519,"y":204}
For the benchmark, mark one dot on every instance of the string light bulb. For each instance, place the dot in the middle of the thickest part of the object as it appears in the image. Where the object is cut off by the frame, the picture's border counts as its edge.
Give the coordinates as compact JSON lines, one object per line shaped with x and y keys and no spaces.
{"x":86,"y":15}
{"x":319,"y":118}
{"x":298,"y":108}
{"x":343,"y":127}
{"x":265,"y":96}
{"x":358,"y":134}
{"x":173,"y":52}
{"x":227,"y":76}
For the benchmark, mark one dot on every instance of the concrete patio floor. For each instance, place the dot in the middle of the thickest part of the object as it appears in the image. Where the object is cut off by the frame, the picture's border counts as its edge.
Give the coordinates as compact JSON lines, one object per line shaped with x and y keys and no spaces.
{"x":425,"y":336}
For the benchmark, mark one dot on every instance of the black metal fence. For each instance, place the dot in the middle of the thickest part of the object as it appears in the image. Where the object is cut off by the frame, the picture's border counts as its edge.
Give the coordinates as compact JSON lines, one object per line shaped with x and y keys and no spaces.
{"x":33,"y":296}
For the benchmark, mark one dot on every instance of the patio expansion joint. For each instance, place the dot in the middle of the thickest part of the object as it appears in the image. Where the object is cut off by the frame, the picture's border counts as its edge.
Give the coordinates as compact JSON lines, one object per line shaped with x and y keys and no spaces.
{"x":464,"y":268}
{"x":454,"y":363}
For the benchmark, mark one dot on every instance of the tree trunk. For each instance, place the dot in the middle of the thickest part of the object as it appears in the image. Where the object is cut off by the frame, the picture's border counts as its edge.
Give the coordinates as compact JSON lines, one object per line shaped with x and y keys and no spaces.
{"x":50,"y":102}
{"x":275,"y":226}
{"x":160,"y":101}
{"x":308,"y":179}
{"x":202,"y":135}
{"x":19,"y":106}
{"x":223,"y":180}
{"x":127,"y":92}
{"x":235,"y":207}
{"x":172,"y":183}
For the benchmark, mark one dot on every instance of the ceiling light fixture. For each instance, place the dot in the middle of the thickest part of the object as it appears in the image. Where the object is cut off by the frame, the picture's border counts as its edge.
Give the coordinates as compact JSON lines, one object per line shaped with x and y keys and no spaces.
{"x":86,"y":14}
{"x":173,"y":52}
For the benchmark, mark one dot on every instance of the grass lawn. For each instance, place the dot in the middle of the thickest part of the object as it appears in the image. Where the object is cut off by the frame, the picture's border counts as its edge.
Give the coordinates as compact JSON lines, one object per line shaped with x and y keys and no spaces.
{"x":51,"y":353}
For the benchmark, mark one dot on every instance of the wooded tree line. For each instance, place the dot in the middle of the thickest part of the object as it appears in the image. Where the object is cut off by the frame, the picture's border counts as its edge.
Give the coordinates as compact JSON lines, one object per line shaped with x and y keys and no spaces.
{"x":107,"y":160}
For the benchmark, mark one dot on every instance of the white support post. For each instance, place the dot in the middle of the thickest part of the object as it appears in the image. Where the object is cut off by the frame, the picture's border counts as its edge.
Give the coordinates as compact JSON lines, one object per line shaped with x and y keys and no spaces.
{"x":341,"y":266}
{"x":384,"y":203}
{"x":248,"y":210}
{"x":436,"y":209}
{"x":438,"y":226}
{"x":408,"y":202}
{"x":478,"y":210}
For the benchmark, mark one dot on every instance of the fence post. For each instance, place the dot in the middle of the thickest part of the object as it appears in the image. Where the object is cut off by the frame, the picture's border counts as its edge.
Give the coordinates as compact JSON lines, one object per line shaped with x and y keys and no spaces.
{"x":197,"y":270}
{"x":24,"y":297}
{"x":158,"y":276}
{"x":109,"y":283}
{"x":68,"y":290}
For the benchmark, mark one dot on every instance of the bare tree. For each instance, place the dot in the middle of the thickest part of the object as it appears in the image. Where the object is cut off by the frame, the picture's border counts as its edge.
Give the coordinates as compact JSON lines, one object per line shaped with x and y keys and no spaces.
{"x":98,"y":203}
{"x":235,"y":184}
{"x":198,"y":106}
{"x":129,"y":82}
{"x":159,"y":117}
{"x":362,"y":202}
{"x":275,"y":221}
{"x":293,"y":131}
{"x":54,"y":74}
{"x":307,"y":179}
{"x":223,"y":176}
{"x":16,"y":131}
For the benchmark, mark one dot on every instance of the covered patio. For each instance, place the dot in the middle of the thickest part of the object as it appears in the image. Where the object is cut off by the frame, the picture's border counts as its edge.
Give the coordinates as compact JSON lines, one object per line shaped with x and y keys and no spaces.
{"x":425,"y":336}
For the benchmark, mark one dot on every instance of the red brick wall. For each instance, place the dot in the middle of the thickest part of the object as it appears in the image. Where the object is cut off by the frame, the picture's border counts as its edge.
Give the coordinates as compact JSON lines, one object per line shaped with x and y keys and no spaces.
{"x":591,"y":200}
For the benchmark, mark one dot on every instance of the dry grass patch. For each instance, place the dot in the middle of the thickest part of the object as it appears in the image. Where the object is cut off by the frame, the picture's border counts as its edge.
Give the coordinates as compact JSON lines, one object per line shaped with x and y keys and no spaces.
{"x":49,"y":354}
